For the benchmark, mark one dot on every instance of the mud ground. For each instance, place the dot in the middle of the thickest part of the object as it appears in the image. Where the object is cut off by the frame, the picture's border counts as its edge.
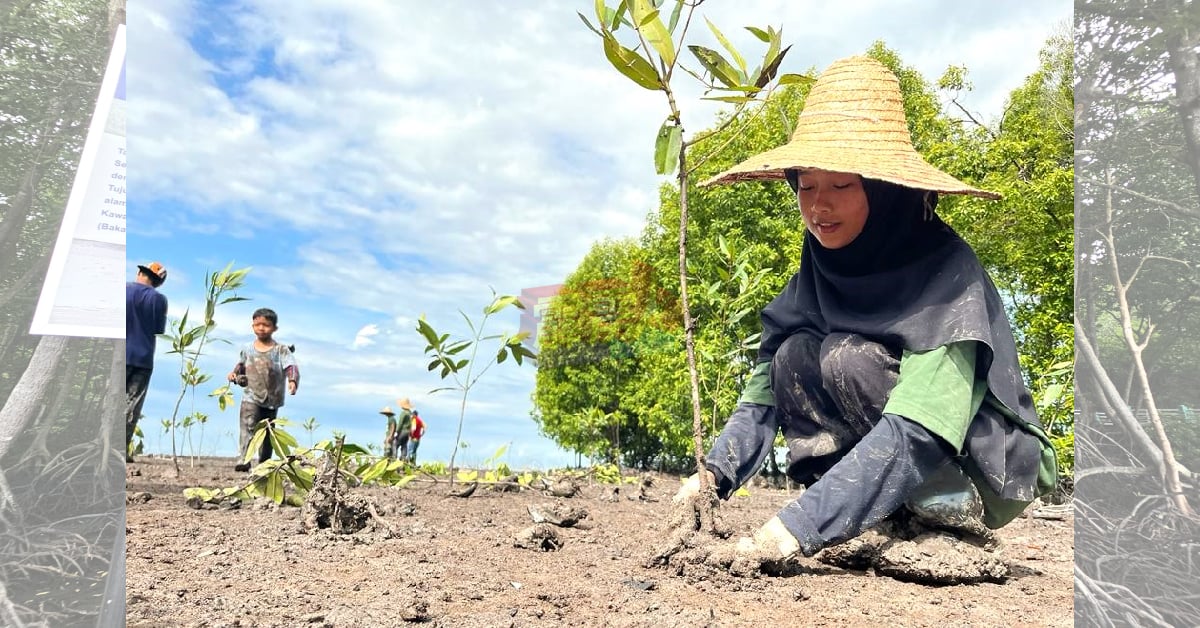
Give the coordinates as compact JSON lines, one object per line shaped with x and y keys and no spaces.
{"x":483,"y":561}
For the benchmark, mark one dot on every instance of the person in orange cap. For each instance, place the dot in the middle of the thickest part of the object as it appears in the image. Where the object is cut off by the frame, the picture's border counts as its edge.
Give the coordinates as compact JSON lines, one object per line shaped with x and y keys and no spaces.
{"x":887,"y":362}
{"x":145,"y":318}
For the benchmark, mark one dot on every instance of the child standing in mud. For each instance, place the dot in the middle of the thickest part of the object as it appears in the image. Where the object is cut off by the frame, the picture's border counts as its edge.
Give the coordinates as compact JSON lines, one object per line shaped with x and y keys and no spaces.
{"x":887,"y":362}
{"x":262,"y":369}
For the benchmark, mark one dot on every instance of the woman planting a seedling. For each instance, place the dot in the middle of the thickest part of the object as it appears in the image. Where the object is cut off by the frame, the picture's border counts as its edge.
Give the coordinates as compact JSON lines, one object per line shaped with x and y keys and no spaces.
{"x":887,"y":362}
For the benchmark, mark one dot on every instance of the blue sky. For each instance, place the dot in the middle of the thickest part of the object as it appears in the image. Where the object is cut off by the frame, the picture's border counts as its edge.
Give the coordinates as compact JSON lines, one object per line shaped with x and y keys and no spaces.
{"x":374,"y":161}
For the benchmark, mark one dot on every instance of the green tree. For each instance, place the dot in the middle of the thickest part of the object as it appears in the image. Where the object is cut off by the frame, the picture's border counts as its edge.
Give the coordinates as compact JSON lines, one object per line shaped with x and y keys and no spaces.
{"x":608,"y":317}
{"x":1026,"y":240}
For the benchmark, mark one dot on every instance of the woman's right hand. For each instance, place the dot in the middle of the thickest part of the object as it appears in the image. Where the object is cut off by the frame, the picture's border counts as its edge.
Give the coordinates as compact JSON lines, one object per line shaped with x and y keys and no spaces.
{"x":691,"y":487}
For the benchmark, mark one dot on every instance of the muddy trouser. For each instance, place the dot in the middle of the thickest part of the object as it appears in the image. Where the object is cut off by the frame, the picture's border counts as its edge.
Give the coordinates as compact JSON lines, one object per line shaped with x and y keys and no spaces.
{"x":389,"y":446}
{"x":860,"y":465}
{"x":400,"y":442}
{"x":250,"y":416}
{"x":137,"y":381}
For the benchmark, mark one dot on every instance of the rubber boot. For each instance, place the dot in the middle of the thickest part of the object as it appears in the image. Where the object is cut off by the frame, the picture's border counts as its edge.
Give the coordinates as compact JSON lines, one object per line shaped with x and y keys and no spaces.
{"x":949,"y":501}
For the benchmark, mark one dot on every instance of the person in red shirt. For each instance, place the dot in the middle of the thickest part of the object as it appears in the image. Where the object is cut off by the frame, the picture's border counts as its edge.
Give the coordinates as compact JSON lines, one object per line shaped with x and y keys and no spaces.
{"x":414,"y":439}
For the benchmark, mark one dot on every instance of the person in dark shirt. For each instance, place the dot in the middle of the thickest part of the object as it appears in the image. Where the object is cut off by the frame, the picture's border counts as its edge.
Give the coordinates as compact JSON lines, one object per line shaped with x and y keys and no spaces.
{"x":145,"y":318}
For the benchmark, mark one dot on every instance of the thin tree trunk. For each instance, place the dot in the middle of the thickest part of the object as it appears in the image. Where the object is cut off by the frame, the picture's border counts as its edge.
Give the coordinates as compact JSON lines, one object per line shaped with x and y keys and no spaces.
{"x":1168,"y":470}
{"x":62,"y":390}
{"x":114,"y":401}
{"x":1115,"y":406}
{"x":1185,"y":64}
{"x":26,"y":397}
{"x":707,"y":521}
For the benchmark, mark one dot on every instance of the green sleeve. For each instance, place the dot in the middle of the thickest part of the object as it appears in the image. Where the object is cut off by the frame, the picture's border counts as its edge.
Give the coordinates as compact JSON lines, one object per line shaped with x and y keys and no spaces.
{"x":758,"y":387}
{"x":938,"y":390}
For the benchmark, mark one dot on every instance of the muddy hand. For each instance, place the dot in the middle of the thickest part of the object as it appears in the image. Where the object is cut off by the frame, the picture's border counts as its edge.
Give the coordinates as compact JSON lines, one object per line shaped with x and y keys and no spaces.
{"x":691,"y":487}
{"x":771,"y":541}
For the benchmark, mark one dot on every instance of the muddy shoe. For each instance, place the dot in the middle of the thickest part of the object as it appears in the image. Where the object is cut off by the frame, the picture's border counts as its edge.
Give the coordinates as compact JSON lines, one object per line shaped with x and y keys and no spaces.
{"x":948,"y":501}
{"x":241,"y":467}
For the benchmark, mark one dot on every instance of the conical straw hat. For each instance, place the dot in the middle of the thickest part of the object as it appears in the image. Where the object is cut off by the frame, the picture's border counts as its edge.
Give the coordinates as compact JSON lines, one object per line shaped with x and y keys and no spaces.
{"x":853,"y":121}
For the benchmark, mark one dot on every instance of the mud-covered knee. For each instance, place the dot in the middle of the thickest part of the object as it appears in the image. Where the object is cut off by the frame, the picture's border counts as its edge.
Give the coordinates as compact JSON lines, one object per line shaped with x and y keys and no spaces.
{"x":799,"y":355}
{"x":852,"y":359}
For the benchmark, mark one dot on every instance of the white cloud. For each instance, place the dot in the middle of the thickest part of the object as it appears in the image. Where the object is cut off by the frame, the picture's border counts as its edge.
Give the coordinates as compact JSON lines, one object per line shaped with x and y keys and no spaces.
{"x":363,"y":337}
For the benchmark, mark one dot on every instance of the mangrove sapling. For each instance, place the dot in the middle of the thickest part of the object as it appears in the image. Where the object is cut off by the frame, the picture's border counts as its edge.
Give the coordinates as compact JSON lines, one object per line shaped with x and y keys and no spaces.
{"x":651,"y":63}
{"x":188,"y":342}
{"x":462,"y":371}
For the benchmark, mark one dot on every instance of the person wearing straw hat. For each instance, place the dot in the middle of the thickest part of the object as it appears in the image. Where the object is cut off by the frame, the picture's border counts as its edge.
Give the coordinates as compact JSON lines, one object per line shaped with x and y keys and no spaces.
{"x":887,"y":362}
{"x":400,"y":429}
{"x":389,"y":437}
{"x":145,"y":318}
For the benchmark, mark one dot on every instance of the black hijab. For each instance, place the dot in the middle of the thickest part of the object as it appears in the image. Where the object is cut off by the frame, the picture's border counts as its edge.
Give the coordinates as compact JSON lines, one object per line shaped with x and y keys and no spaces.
{"x":909,"y":282}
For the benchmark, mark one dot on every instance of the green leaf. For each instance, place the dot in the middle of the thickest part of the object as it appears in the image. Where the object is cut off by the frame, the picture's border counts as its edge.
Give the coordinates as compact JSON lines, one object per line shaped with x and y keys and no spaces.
{"x":203,"y":494}
{"x":283,"y":443}
{"x":500,"y":303}
{"x":675,"y":16}
{"x":256,"y":442}
{"x":716,"y":65}
{"x":666,"y":147}
{"x":760,"y":34}
{"x":274,"y":488}
{"x":631,"y":64}
{"x":771,"y":69}
{"x":588,"y":24}
{"x":502,"y":355}
{"x":737,"y":57}
{"x":466,"y":318}
{"x":373,"y":472}
{"x":350,"y":449}
{"x":617,"y":18}
{"x":737,"y":100}
{"x":795,"y":79}
{"x":458,"y":347}
{"x":427,"y":331}
{"x":652,"y":28}
{"x":1051,"y":395}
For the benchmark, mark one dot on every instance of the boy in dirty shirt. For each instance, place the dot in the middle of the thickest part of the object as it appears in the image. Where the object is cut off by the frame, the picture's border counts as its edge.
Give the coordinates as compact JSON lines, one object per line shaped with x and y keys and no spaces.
{"x":262,"y":368}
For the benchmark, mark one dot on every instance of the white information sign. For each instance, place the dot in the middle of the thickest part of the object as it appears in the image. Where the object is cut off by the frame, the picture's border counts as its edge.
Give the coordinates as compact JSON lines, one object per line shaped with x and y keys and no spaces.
{"x":82,"y":294}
